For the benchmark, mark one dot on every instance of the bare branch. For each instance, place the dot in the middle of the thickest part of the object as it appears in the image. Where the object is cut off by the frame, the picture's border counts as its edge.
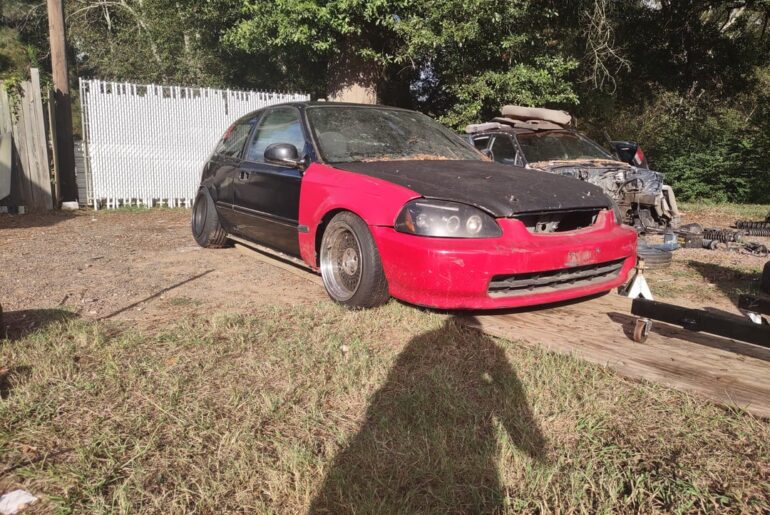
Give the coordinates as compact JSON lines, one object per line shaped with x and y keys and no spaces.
{"x":104,"y":5}
{"x":604,"y":59}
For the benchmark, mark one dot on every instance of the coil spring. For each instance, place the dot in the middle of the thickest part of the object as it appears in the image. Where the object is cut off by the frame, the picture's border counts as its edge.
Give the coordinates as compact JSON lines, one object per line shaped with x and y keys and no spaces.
{"x":747,"y":224}
{"x":758,"y":232}
{"x":723,"y":235}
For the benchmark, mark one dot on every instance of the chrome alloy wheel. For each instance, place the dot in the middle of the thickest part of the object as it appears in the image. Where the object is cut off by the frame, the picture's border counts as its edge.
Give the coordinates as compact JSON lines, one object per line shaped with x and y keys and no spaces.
{"x":341,"y":267}
{"x":200,"y":211}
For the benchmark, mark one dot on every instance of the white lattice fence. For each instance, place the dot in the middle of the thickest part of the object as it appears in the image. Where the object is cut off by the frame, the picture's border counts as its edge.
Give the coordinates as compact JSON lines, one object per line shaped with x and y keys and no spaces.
{"x":147,"y":144}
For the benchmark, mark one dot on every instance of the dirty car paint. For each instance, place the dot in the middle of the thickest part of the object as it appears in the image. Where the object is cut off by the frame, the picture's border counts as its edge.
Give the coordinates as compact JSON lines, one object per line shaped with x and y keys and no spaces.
{"x":455,"y":273}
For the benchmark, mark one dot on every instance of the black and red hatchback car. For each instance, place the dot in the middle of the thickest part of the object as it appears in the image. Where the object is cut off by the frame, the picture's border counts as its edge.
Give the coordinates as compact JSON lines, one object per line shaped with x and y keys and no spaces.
{"x":387,"y":202}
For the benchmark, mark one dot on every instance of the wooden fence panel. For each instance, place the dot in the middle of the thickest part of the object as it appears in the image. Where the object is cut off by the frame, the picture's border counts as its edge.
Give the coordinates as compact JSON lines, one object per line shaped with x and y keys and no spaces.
{"x":23,"y":117}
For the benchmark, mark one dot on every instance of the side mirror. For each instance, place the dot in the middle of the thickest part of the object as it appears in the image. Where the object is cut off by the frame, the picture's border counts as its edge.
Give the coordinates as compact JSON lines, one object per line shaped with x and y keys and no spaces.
{"x":630,"y":152}
{"x":284,"y":154}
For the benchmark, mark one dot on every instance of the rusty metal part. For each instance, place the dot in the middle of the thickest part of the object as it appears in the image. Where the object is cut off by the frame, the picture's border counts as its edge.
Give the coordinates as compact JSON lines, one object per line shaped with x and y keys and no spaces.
{"x":763,"y":233}
{"x":749,"y":225}
{"x":690,"y":229}
{"x":642,"y":329}
{"x":755,"y":248}
{"x":754,"y":228}
{"x":709,"y":244}
{"x":723,"y":235}
{"x":692,"y":241}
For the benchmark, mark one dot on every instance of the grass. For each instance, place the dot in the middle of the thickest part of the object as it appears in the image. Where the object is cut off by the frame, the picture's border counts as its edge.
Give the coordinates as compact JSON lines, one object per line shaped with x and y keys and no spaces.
{"x":705,"y":282}
{"x":728,"y":212}
{"x":321,"y":409}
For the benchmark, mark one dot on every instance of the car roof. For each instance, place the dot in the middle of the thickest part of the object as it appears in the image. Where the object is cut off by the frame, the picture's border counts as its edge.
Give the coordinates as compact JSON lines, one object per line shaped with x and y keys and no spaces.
{"x":517,"y":130}
{"x":304,"y":104}
{"x":314,"y":103}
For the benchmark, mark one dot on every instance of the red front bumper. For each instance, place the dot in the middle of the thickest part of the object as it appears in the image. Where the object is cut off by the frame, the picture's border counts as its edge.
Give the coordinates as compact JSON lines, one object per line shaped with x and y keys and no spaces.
{"x":456,"y":273}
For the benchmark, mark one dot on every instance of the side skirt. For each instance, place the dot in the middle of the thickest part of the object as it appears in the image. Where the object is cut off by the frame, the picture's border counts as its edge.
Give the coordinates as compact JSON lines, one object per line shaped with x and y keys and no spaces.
{"x":271,"y":252}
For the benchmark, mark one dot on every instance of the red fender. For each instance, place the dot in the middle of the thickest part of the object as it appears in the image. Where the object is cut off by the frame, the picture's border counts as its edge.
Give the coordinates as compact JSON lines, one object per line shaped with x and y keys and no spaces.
{"x":326,"y":189}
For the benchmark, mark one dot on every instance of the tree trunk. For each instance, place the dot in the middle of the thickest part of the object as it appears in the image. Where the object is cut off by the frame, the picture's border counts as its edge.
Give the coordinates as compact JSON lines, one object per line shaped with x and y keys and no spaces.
{"x":352,"y":79}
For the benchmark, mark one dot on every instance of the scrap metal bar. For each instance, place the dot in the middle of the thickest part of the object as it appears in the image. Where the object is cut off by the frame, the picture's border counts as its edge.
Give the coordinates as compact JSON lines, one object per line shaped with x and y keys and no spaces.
{"x":702,"y":321}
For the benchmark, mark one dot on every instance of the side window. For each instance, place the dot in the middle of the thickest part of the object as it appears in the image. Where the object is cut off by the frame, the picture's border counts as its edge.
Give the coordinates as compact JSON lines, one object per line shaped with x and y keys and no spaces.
{"x":481,"y":142}
{"x":503,"y":150}
{"x":280,"y":125}
{"x":235,"y":138}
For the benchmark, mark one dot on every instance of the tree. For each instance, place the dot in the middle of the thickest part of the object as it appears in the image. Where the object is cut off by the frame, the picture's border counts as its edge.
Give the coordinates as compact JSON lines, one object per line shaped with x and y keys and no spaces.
{"x":458,"y":58}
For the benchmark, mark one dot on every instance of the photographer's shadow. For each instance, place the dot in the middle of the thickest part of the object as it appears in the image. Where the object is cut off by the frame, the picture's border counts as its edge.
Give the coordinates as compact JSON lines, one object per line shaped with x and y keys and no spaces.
{"x":433,"y":433}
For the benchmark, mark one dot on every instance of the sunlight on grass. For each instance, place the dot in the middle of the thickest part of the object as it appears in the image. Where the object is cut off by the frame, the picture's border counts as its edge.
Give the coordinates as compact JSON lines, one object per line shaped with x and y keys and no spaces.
{"x":729,"y":211}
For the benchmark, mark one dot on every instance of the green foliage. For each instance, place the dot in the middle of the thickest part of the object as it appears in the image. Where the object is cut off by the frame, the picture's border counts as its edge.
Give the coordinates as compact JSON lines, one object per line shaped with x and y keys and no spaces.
{"x":12,"y":86}
{"x":710,"y":148}
{"x":688,"y":79}
{"x":532,"y":85}
{"x":460,"y":59}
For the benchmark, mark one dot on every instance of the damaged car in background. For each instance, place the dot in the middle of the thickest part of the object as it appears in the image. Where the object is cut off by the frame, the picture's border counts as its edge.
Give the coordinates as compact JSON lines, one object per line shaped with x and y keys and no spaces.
{"x":546,"y":140}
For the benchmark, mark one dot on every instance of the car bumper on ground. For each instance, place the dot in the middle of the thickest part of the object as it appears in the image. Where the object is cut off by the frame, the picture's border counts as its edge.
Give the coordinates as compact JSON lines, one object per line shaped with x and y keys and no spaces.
{"x":517,"y":269}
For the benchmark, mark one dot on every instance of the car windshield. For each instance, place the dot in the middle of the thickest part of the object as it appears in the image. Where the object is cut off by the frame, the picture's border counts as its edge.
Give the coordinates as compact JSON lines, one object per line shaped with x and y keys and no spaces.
{"x":558,"y":146}
{"x":350,"y":133}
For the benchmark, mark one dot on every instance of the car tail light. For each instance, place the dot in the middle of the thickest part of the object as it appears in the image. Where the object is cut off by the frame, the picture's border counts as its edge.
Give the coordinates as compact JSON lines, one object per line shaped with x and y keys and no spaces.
{"x":639,"y":158}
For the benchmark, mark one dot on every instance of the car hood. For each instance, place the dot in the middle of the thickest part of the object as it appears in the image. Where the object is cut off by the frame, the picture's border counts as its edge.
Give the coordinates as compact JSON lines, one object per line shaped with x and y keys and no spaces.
{"x":501,"y":190}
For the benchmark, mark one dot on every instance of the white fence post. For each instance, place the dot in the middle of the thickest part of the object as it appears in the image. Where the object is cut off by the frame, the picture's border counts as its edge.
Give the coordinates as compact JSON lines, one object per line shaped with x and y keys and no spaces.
{"x":147,"y":144}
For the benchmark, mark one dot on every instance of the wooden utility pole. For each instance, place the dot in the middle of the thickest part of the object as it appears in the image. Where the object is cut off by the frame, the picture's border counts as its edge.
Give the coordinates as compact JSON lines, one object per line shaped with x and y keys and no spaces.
{"x":65,"y":144}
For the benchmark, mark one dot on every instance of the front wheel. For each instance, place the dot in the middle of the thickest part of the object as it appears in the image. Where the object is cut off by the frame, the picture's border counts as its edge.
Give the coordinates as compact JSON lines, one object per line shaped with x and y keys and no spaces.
{"x":350,"y":263}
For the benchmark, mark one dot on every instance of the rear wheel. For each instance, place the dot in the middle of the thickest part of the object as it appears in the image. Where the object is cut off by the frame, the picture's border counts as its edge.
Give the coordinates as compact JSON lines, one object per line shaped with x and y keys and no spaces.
{"x":206,"y":229}
{"x":350,"y":263}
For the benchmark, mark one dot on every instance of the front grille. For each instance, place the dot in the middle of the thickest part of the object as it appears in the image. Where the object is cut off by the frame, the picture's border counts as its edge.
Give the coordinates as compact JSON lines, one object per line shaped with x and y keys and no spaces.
{"x":554,"y":280}
{"x":558,"y":221}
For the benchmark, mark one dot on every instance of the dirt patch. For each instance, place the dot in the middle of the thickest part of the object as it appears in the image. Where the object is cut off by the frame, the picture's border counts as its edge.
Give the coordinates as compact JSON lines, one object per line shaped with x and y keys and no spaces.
{"x":136,"y":265}
{"x":144,"y":266}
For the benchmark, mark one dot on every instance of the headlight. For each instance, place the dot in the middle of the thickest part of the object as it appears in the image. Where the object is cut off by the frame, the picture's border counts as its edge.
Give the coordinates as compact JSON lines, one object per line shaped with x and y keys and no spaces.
{"x":444,"y":219}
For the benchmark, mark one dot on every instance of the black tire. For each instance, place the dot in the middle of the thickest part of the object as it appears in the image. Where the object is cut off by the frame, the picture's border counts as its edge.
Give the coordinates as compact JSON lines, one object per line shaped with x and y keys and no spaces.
{"x":654,"y":259}
{"x":765,"y":286}
{"x":350,"y":264}
{"x":206,"y":229}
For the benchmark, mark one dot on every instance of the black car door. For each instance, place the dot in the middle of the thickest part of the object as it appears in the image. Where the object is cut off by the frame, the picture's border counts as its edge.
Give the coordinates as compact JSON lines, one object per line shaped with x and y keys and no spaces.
{"x":266,"y":201}
{"x":224,"y":164}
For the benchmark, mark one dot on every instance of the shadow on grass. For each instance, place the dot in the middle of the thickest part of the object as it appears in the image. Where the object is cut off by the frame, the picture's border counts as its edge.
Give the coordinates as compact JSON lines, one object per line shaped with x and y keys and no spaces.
{"x":15,"y":326}
{"x":728,"y":280}
{"x":12,"y":376}
{"x":18,"y":324}
{"x":431,"y":439}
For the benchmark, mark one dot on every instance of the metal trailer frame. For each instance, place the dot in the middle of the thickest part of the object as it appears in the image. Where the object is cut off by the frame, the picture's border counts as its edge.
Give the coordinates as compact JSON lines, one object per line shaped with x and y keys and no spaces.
{"x":699,"y":320}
